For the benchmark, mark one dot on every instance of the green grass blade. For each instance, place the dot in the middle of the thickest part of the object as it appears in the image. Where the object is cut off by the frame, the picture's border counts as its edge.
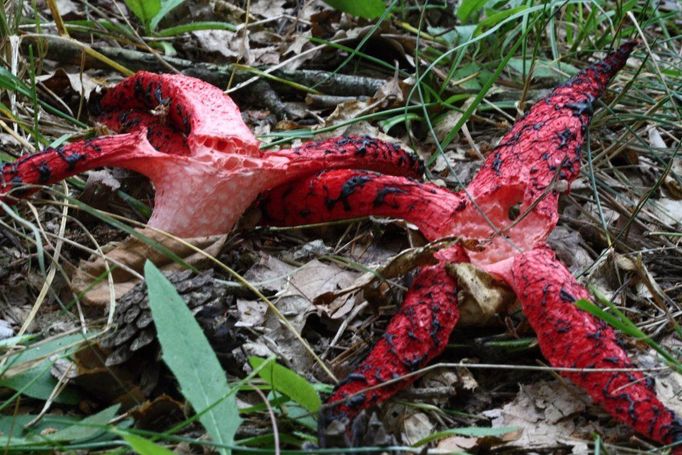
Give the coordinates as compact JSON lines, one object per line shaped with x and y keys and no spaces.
{"x":144,"y":446}
{"x":476,"y":432}
{"x":166,"y":7}
{"x":195,"y":26}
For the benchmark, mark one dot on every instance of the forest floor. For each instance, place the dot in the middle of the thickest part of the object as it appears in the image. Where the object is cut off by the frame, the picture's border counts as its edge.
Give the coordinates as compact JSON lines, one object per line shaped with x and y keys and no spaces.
{"x":82,"y":367}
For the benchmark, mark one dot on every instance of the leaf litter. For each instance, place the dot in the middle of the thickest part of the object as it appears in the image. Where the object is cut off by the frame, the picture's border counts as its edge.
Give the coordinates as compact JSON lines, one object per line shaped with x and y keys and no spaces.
{"x":550,"y":410}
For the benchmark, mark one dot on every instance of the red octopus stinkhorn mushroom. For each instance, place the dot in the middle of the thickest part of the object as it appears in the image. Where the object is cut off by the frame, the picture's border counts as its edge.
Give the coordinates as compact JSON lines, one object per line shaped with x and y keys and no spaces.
{"x":521,"y":175}
{"x":189,"y":139}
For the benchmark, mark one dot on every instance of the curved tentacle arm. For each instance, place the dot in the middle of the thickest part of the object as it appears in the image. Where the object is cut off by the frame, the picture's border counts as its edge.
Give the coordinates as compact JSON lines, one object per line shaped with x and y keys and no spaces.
{"x":131,"y":151}
{"x":570,"y":337}
{"x":545,"y":144}
{"x":354,"y":152}
{"x":343,"y":194}
{"x":164,"y":137}
{"x":416,"y":334}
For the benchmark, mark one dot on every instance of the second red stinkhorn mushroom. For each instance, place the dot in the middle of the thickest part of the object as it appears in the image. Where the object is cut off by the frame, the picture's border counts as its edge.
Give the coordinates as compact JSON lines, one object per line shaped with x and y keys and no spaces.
{"x":188,"y":138}
{"x":510,"y":207}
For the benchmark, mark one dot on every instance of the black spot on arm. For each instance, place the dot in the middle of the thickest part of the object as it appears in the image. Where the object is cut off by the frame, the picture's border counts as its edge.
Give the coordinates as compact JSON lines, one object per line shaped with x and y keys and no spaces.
{"x":497,"y":162}
{"x":44,"y":172}
{"x":348,"y":188}
{"x":585,"y":107}
{"x":158,"y":94}
{"x":565,"y":136}
{"x":566,"y":296}
{"x":383,"y":192}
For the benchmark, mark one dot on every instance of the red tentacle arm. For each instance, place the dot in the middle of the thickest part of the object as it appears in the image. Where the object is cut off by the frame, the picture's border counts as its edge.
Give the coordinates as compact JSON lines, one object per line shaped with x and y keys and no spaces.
{"x":53,"y":164}
{"x":572,"y":338}
{"x":541,"y":149}
{"x":363,"y":152}
{"x":343,"y":194}
{"x":417,"y":333}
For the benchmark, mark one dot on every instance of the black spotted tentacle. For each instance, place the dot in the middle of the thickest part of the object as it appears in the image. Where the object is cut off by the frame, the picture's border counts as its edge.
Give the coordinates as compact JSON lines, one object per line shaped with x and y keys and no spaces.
{"x":416,"y":334}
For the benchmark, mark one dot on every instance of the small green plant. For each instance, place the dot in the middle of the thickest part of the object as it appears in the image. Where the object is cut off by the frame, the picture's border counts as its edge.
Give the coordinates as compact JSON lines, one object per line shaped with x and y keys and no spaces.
{"x":151,"y":12}
{"x":368,"y":9}
{"x":289,"y":383}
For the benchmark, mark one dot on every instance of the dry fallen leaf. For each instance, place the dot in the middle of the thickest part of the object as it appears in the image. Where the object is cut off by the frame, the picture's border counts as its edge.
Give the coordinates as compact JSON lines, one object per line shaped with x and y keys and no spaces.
{"x":669,"y":211}
{"x":67,"y":7}
{"x":416,"y":426}
{"x":569,"y":247}
{"x":481,"y":296}
{"x":297,"y":289}
{"x":268,"y":8}
{"x":218,"y":41}
{"x":456,"y":444}
{"x":391,"y":92}
{"x":131,"y":254}
{"x":673,"y":180}
{"x":655,"y":138}
{"x":60,"y":81}
{"x":548,"y":414}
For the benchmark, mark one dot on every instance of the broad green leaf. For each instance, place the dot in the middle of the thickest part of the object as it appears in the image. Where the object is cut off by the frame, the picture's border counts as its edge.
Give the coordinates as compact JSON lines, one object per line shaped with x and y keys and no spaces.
{"x":166,"y":7}
{"x":369,"y":9}
{"x":88,"y":428}
{"x":15,"y":426}
{"x":289,"y":383}
{"x":189,"y":356}
{"x":469,"y":7}
{"x":144,"y":10}
{"x":39,"y":383}
{"x":45,"y":349}
{"x":543,"y":69}
{"x":35,"y":380}
{"x":144,"y":446}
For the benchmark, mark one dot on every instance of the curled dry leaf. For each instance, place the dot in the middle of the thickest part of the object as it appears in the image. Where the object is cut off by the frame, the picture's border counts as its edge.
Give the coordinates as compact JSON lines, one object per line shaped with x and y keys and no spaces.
{"x":673,"y":181}
{"x":416,"y":426}
{"x":546,"y":414}
{"x":298,"y":288}
{"x":481,"y":295}
{"x":390,"y":93}
{"x":132,"y":253}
